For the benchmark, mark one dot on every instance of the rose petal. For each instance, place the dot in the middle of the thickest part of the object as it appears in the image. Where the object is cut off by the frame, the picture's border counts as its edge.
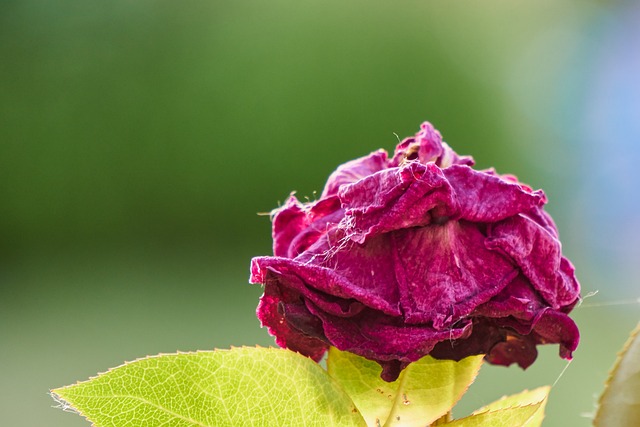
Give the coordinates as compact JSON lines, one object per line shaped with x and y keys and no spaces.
{"x":555,"y":327}
{"x":384,"y":338}
{"x":297,"y":226}
{"x":288,"y":222}
{"x":322,"y":218}
{"x":550,"y":327}
{"x":413,"y":195}
{"x":544,"y":220}
{"x":445,"y":272}
{"x":484,"y":197}
{"x":327,"y":288}
{"x":517,"y":299}
{"x":304,"y":342}
{"x":480,"y":339}
{"x":520,"y":349}
{"x":354,"y":170}
{"x":538,"y":254}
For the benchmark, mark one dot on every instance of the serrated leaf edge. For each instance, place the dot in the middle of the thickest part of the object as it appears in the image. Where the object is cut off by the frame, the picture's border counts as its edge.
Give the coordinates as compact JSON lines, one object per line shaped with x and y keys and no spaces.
{"x":57,"y":394}
{"x":475,"y":414}
{"x":506,"y":396}
{"x":159,"y":355}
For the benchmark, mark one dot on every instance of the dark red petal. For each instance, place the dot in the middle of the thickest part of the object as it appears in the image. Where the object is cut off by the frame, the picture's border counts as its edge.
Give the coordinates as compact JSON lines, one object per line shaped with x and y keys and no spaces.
{"x":445,"y":272}
{"x":380,"y":337}
{"x":556,"y":327}
{"x":288,"y":222}
{"x":484,"y":197}
{"x":520,"y":349}
{"x":322,"y":217}
{"x":355,"y":170}
{"x":517,"y":299}
{"x":273,"y":318}
{"x":544,"y":220}
{"x":331,"y":290}
{"x":538,"y":254}
{"x":481,"y":337}
{"x":413,"y":195}
{"x":367,"y":268}
{"x":297,"y":226}
{"x":391,"y":369}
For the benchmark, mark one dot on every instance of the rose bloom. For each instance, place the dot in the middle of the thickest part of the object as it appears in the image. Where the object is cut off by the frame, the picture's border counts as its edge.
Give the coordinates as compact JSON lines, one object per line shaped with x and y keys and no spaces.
{"x":418,"y":254}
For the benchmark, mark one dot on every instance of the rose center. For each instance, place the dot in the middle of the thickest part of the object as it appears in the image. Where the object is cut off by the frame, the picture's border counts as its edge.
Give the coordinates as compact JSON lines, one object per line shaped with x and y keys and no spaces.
{"x":439,"y":220}
{"x":411,"y":153}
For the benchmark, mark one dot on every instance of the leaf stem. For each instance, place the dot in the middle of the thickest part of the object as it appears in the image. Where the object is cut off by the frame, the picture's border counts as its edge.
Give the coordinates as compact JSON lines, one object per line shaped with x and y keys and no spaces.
{"x":443,"y":419}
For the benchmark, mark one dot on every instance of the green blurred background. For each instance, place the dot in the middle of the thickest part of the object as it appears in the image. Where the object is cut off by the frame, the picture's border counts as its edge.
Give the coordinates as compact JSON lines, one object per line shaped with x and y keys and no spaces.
{"x":139,"y":140}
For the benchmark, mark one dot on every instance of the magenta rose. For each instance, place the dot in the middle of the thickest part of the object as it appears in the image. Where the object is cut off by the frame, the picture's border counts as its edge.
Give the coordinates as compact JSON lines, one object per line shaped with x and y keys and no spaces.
{"x":418,"y":254}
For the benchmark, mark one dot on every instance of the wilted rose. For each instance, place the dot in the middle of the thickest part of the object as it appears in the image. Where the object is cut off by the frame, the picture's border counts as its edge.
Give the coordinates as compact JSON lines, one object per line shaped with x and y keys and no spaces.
{"x":418,"y":254}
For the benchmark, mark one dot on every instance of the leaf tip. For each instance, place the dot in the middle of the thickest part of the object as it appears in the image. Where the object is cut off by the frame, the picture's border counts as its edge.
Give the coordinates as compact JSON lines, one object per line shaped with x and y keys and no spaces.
{"x":60,"y":402}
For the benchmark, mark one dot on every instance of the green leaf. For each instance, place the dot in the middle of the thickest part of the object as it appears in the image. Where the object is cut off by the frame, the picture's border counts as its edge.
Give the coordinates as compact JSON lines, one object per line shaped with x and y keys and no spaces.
{"x":425,"y":391}
{"x":537,"y":396}
{"x":237,"y":387}
{"x":518,"y":416}
{"x":619,"y":403}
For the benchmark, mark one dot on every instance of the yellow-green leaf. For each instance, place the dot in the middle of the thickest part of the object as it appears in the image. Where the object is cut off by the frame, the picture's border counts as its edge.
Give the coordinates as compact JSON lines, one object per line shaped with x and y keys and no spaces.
{"x":525,"y":398}
{"x":237,"y":387}
{"x":619,"y":404}
{"x":425,"y":391}
{"x":518,"y":416}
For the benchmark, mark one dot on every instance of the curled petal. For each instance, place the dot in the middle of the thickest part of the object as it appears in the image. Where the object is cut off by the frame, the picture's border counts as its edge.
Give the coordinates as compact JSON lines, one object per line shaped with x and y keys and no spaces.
{"x":520,"y":349}
{"x":271,"y":314}
{"x":355,"y":170}
{"x":544,"y":220}
{"x":383,"y":338}
{"x":484,"y":197}
{"x":288,"y":222}
{"x":297,"y":226}
{"x":538,"y":254}
{"x":550,"y":327}
{"x":323,"y":217}
{"x":480,"y":338}
{"x":554,"y":327}
{"x":410,"y":196}
{"x":517,"y":299}
{"x":325,"y":287}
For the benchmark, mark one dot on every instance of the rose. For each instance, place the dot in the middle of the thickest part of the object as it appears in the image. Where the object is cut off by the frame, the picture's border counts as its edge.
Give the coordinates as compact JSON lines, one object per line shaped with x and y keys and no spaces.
{"x":414,"y":255}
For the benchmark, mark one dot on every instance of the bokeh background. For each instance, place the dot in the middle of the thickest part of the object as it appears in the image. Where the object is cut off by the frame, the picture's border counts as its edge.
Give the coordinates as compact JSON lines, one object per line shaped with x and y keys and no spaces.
{"x":139,"y":140}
